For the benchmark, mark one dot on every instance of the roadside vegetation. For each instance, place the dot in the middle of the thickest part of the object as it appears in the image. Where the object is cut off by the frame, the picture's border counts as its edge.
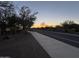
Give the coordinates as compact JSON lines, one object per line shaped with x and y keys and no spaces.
{"x":67,"y":26}
{"x":12,"y":21}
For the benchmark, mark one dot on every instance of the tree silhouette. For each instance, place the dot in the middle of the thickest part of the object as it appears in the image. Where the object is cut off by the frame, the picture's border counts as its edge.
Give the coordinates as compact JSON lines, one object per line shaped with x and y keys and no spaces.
{"x":10,"y":19}
{"x":70,"y":26}
{"x":6,"y":11}
{"x":26,"y":17}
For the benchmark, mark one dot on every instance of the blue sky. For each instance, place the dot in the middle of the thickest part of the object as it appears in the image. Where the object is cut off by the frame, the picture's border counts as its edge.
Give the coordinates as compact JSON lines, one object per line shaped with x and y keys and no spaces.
{"x":52,"y":12}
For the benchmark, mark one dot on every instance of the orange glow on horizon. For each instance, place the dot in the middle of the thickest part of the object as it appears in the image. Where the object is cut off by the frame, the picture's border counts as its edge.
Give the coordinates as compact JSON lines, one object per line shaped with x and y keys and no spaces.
{"x":42,"y":25}
{"x":37,"y":26}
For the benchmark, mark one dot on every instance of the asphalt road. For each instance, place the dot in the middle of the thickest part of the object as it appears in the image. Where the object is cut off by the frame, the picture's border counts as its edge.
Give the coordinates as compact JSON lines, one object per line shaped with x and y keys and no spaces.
{"x":55,"y":48}
{"x":71,"y":39}
{"x":22,"y":46}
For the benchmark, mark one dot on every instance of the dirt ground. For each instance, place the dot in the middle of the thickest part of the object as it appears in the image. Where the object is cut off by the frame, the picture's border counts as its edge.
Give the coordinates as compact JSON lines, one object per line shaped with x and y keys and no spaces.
{"x":21,"y":45}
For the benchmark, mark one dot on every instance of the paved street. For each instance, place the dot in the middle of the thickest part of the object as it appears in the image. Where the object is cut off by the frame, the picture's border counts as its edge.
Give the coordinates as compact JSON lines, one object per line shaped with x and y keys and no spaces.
{"x":56,"y":48}
{"x":72,"y":39}
{"x":36,"y":45}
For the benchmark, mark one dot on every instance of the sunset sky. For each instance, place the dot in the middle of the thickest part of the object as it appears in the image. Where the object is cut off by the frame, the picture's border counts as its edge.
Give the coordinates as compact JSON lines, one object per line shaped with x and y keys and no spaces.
{"x":53,"y":12}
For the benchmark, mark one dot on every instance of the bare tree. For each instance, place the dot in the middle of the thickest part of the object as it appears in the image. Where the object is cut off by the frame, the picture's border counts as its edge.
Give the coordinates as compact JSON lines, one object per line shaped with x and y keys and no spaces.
{"x":26,"y":17}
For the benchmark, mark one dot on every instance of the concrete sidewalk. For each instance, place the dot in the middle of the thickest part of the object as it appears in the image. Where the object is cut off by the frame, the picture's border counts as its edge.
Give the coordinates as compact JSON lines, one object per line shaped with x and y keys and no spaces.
{"x":56,"y":48}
